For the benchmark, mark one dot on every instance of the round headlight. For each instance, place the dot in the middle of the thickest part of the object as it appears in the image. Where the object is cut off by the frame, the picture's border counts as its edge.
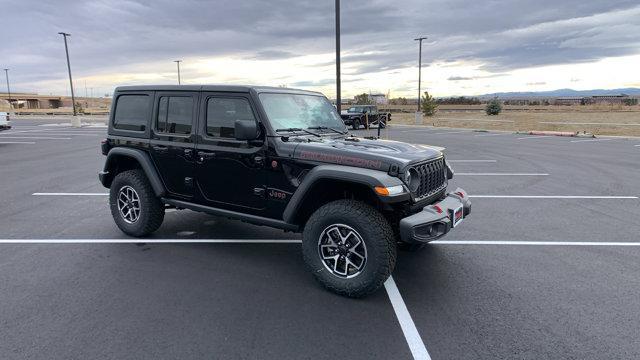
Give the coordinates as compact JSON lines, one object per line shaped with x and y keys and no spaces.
{"x":412,"y":179}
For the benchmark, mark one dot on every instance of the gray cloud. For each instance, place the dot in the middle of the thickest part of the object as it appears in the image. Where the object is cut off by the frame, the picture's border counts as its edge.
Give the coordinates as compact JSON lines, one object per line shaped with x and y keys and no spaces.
{"x":120,"y":35}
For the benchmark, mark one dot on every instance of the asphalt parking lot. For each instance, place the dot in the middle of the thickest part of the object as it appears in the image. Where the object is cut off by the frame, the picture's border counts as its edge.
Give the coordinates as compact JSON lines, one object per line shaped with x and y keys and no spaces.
{"x":546,"y":267}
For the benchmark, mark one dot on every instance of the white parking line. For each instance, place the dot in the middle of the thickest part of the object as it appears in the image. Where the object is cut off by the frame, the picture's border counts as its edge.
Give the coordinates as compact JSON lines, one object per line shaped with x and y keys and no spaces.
{"x":40,"y":133}
{"x":500,"y":174}
{"x":590,"y":140}
{"x":298,"y":241}
{"x":36,"y":138}
{"x":533,"y":243}
{"x":494,"y":134}
{"x":450,"y":132}
{"x":69,"y":194}
{"x":534,"y":137}
{"x":150,"y":241}
{"x":17,"y":142}
{"x":471,"y":161}
{"x":416,"y":345}
{"x":637,"y":145}
{"x":550,"y":197}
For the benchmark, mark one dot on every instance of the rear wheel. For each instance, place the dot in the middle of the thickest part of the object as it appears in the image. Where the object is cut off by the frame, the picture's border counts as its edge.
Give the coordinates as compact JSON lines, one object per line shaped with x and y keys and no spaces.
{"x":349,"y":247}
{"x":134,"y":206}
{"x":356,"y":124}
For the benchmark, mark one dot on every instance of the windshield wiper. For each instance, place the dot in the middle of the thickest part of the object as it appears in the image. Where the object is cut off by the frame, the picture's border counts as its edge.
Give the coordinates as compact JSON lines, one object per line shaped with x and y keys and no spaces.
{"x":327,"y":128}
{"x":298,"y":129}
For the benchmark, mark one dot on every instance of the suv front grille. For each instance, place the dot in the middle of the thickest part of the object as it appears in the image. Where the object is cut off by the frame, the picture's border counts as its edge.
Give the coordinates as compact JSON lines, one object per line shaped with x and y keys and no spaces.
{"x":432,"y":178}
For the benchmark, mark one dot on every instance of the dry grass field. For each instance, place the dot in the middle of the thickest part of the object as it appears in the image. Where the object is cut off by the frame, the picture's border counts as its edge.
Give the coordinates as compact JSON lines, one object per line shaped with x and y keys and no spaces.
{"x":595,"y":119}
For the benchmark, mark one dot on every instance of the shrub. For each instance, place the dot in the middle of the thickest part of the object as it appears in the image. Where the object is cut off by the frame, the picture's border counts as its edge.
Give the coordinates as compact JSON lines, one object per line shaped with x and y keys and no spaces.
{"x":493,"y":107}
{"x":362,"y":99}
{"x":428,"y":104}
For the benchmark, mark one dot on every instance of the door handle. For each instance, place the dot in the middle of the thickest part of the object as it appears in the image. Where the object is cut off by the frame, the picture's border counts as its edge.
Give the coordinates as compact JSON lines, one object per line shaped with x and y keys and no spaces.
{"x":160,"y":148}
{"x":204,"y":155}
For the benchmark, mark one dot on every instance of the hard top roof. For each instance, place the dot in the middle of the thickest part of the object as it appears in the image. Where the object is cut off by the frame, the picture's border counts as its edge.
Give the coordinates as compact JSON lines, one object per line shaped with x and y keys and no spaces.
{"x":216,"y":88}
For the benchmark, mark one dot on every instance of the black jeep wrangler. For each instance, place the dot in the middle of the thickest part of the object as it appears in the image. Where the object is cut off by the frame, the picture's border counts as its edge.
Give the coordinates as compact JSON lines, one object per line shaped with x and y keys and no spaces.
{"x":367,"y":115}
{"x":281,"y":158}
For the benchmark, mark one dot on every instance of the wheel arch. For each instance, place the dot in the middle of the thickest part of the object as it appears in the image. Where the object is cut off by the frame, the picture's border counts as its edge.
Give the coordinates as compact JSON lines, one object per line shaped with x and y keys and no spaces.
{"x":122,"y":159}
{"x":326,"y":183}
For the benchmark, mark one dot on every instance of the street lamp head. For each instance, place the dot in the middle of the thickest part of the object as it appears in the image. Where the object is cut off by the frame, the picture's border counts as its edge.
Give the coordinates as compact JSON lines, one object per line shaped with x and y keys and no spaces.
{"x":421,"y":38}
{"x":64,"y":34}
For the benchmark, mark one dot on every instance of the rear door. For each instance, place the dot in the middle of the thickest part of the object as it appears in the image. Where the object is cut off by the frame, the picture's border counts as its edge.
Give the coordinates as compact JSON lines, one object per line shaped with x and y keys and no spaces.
{"x":230,"y":173}
{"x":173,"y":135}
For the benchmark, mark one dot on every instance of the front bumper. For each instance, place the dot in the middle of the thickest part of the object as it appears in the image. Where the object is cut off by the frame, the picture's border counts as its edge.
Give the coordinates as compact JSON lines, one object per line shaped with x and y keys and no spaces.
{"x":435,"y":220}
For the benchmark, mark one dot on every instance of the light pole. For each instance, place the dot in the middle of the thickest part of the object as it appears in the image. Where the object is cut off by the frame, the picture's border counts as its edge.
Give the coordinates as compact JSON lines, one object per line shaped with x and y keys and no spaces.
{"x":338,"y":98}
{"x":66,"y":49}
{"x":6,"y":73}
{"x":420,"y":68}
{"x":178,"y":63}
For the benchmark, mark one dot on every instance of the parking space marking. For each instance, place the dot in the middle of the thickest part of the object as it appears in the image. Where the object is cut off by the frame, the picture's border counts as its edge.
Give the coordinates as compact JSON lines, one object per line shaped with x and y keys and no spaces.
{"x":550,"y":197}
{"x":36,"y":137}
{"x":534,"y":137}
{"x":450,"y":132}
{"x":416,"y":345}
{"x":298,"y":241}
{"x":637,"y":145}
{"x":471,"y":161}
{"x":150,"y":241}
{"x":17,"y":142}
{"x":494,"y":134}
{"x":590,"y":140}
{"x":533,"y":243}
{"x":69,"y":194}
{"x":500,"y":174}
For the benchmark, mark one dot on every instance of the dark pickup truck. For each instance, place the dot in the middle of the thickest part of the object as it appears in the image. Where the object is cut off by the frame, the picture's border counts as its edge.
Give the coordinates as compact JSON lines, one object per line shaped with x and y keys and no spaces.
{"x":281,"y":158}
{"x":365,"y":115}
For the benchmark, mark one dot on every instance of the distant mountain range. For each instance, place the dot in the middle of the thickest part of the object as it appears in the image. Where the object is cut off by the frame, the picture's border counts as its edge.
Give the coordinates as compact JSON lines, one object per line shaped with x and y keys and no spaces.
{"x":563,"y":93}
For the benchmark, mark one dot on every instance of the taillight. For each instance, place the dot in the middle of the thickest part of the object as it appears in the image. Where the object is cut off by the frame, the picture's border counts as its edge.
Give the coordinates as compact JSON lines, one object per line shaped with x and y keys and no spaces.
{"x":104,"y":145}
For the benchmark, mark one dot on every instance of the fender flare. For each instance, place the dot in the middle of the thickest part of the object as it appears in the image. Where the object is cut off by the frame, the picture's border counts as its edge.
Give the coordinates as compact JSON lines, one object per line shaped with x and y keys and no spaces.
{"x":362,"y":176}
{"x":145,"y":163}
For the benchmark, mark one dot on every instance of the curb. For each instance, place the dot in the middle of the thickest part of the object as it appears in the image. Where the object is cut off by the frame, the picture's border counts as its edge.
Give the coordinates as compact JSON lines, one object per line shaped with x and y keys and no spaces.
{"x":557,"y":133}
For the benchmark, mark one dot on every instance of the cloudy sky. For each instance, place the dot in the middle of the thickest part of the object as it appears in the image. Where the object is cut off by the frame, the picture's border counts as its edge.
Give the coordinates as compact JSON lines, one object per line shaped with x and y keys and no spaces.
{"x":474,"y":46}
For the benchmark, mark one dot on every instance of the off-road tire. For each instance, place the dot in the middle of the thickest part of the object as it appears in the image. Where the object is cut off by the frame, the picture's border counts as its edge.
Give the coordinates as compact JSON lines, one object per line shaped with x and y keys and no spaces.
{"x":151,"y":208}
{"x":356,"y":124}
{"x":375,"y":232}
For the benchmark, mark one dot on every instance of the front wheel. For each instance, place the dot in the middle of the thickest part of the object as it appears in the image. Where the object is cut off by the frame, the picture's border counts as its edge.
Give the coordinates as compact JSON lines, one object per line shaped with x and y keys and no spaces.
{"x":349,"y":247}
{"x":356,"y":124}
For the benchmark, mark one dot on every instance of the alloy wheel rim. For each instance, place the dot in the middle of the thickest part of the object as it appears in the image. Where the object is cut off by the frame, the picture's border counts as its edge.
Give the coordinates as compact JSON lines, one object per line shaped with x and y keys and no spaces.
{"x":342,"y":251}
{"x":129,"y":204}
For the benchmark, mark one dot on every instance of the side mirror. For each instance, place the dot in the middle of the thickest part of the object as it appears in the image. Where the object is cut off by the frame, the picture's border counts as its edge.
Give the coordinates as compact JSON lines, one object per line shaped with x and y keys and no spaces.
{"x":246,"y":130}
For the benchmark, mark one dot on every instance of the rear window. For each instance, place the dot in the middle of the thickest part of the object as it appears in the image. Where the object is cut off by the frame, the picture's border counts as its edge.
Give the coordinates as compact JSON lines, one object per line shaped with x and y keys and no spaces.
{"x":175,"y":115}
{"x":132,"y":112}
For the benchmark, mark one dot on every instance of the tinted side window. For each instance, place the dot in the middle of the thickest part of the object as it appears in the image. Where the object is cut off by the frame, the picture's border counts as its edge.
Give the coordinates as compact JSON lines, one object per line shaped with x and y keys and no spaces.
{"x":131,"y":112}
{"x":222,"y":114}
{"x":175,"y":114}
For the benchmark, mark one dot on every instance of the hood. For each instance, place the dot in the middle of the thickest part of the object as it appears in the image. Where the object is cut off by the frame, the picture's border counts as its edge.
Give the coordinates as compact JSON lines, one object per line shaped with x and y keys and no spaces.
{"x":365,"y":153}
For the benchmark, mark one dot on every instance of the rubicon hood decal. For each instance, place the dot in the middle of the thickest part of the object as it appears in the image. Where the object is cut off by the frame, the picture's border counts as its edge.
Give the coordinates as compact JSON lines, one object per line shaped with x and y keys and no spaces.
{"x":341,"y":159}
{"x":364,"y":153}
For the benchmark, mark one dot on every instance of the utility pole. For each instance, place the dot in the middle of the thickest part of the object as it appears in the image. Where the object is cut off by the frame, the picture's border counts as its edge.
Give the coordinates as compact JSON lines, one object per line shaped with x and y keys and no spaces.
{"x":338,"y":97}
{"x":178,"y":63}
{"x":6,"y":73}
{"x":419,"y":113}
{"x":66,"y":49}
